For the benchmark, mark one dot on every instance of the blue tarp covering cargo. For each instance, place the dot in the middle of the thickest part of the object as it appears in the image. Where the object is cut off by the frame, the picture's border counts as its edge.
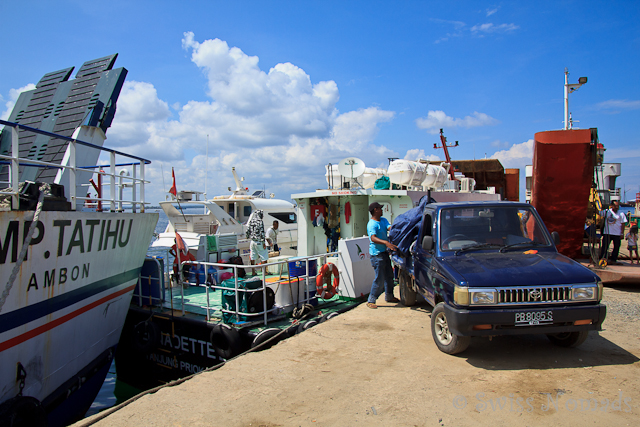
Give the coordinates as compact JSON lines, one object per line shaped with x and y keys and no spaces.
{"x":406,"y":227}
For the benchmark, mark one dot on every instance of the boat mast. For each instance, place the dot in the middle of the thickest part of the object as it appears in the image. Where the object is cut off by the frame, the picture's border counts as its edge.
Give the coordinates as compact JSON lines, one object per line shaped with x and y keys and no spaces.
{"x":443,"y":140}
{"x":568,"y":88}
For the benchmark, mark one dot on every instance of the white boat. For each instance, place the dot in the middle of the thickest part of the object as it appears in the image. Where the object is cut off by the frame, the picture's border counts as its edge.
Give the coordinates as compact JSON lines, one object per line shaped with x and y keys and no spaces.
{"x":66,"y":274}
{"x":66,"y":290}
{"x":345,"y":210}
{"x":226,"y":218}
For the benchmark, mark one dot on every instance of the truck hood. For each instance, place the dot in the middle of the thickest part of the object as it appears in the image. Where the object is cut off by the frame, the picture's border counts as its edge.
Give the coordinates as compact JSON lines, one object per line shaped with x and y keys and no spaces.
{"x":497,"y":269}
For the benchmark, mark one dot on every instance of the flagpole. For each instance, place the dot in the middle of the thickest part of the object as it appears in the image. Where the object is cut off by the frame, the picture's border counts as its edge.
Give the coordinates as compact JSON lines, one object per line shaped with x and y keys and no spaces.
{"x":206,"y":170}
{"x":174,"y":193}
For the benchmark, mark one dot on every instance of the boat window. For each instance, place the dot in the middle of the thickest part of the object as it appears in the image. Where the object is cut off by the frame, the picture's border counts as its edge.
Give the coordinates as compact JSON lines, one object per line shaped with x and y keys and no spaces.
{"x":247,"y":211}
{"x":286,"y":217}
{"x":231,"y":210}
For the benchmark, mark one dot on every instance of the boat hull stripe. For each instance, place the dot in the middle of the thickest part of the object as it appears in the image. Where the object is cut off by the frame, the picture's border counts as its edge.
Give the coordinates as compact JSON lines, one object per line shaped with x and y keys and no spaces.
{"x":33,"y":312}
{"x":57,"y":322}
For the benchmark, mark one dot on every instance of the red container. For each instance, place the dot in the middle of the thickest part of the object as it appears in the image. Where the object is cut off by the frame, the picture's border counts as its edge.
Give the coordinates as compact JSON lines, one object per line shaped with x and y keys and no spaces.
{"x":563,"y":162}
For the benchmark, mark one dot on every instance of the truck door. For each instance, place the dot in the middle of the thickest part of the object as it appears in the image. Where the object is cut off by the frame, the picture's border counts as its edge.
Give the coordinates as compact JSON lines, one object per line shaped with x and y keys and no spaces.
{"x":423,"y":259}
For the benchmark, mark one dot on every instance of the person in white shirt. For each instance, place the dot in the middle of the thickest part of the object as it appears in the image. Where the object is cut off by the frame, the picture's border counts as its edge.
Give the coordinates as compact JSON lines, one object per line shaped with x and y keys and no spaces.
{"x":272,"y":237}
{"x":612,"y":231}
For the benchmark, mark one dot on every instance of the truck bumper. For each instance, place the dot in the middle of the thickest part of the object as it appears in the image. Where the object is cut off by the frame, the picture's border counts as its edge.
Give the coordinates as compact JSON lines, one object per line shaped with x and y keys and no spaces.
{"x":466,"y":322}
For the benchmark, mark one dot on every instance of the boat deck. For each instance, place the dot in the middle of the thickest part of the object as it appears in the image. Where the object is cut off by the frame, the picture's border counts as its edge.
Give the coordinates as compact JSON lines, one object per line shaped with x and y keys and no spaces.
{"x":206,"y":302}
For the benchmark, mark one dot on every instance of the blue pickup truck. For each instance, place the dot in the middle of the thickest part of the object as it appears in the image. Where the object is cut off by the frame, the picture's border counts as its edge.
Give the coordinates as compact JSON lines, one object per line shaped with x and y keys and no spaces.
{"x":492,"y":268}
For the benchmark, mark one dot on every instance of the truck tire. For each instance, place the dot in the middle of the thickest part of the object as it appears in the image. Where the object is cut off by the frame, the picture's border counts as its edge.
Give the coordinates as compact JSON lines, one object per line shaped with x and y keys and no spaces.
{"x":446,"y":341}
{"x":568,"y":339}
{"x":407,"y":294}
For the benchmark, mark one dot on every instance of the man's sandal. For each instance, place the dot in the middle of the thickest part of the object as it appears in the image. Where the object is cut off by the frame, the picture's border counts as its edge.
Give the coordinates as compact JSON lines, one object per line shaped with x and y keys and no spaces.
{"x":371,"y":305}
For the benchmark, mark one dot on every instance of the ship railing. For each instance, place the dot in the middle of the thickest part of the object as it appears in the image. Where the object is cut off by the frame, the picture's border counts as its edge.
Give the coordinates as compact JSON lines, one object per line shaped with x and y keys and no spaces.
{"x":615,"y":194}
{"x":212,"y":285}
{"x":133,"y":176}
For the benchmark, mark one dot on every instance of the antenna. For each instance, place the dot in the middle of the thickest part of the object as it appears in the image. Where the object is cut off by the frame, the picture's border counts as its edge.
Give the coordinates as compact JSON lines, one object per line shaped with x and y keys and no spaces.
{"x":206,"y":170}
{"x":443,"y":140}
{"x":351,"y":168}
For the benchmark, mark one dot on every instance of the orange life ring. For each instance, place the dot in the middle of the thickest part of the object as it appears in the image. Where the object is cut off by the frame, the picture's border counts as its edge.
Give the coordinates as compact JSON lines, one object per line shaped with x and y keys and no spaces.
{"x":324,"y":288}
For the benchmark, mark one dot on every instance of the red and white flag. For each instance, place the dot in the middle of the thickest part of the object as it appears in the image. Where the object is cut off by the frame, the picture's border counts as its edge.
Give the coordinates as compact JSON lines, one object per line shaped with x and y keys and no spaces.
{"x":173,"y":190}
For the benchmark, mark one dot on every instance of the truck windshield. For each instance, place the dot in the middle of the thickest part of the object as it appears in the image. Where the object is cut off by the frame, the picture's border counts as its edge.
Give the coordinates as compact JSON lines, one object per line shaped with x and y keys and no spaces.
{"x":495,"y":226}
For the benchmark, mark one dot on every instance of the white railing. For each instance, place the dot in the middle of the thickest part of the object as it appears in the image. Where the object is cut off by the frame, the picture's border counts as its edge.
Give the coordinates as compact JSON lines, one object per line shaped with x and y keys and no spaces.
{"x":117,"y":181}
{"x":213,"y":285}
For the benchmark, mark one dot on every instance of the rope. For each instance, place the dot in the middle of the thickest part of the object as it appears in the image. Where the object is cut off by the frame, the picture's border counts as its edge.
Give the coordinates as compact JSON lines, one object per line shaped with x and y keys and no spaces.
{"x":107,"y":412}
{"x":102,"y":415}
{"x":44,"y":188}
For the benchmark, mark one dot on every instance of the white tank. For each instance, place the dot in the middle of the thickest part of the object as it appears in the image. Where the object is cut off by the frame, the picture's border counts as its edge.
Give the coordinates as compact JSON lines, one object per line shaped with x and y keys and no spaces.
{"x":416,"y":174}
{"x":407,"y":172}
{"x":436,"y":176}
{"x":367,"y":179}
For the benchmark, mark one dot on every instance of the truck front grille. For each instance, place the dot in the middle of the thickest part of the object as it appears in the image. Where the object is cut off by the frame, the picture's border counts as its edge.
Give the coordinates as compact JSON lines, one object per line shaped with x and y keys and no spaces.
{"x":553,"y":294}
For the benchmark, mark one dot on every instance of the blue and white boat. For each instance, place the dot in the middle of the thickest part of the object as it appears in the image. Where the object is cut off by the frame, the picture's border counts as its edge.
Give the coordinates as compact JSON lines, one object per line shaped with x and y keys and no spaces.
{"x":67,"y":273}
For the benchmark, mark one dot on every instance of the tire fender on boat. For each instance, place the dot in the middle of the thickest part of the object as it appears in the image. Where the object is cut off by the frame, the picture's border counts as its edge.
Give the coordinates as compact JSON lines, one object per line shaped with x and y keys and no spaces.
{"x":226,"y":341}
{"x":146,"y":336}
{"x":330,"y":315}
{"x":325,"y":289}
{"x":23,"y":411}
{"x":306,"y":325}
{"x":266,"y":335}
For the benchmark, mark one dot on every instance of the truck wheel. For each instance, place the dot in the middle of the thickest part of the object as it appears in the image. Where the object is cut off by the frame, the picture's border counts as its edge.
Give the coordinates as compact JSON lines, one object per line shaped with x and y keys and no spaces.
{"x":446,"y":341}
{"x":568,"y":339}
{"x":407,"y":294}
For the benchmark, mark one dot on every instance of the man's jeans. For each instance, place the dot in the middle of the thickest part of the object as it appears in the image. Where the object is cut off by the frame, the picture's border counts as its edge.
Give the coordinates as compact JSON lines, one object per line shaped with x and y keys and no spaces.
{"x":383,"y":281}
{"x":606,"y":239}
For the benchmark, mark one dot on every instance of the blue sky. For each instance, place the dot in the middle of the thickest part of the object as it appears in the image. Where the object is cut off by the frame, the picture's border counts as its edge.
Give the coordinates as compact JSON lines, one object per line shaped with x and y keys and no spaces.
{"x":282,"y":88}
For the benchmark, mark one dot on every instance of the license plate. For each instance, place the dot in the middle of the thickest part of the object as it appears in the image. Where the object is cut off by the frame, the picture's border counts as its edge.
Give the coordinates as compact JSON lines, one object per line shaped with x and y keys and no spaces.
{"x":527,"y":318}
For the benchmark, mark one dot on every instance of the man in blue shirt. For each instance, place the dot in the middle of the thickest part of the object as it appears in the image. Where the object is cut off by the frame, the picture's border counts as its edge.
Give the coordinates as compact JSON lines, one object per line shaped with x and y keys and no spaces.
{"x":377,"y":230}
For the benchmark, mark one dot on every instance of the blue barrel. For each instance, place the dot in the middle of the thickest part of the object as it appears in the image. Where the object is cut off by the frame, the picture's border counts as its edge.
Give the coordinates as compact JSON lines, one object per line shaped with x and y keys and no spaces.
{"x":298,"y":267}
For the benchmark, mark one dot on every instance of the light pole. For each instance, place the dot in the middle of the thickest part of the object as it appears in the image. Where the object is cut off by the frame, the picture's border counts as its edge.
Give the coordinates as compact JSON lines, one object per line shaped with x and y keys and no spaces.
{"x":568,"y":88}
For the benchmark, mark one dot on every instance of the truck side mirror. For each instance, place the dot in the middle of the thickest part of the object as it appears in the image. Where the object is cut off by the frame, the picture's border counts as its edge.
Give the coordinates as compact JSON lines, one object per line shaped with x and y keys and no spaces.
{"x":556,"y":237}
{"x":427,"y":243}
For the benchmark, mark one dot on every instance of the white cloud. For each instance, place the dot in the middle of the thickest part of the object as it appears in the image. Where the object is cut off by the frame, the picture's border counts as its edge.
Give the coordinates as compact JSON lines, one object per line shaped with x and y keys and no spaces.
{"x":499,"y":144}
{"x":490,"y":28}
{"x":618,"y":104}
{"x":458,"y":29}
{"x":518,"y":156}
{"x":417,"y":154}
{"x":13,"y":97}
{"x":277,"y":128}
{"x":437,"y":120}
{"x":458,"y":25}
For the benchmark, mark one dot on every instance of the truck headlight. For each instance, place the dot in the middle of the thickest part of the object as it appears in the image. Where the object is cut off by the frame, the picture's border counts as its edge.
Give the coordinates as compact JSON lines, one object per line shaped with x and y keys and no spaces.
{"x":585,"y":293}
{"x":484,"y":296}
{"x":461,"y":295}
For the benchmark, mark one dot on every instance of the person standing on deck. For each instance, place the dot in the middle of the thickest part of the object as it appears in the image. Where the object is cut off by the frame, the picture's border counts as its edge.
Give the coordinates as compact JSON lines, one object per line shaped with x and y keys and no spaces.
{"x":255,"y":232}
{"x":613,"y":231}
{"x":272,"y":237}
{"x":377,"y":230}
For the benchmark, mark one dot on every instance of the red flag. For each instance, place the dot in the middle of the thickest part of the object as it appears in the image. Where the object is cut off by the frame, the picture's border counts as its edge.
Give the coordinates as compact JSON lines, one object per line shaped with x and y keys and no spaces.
{"x":173,"y":190}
